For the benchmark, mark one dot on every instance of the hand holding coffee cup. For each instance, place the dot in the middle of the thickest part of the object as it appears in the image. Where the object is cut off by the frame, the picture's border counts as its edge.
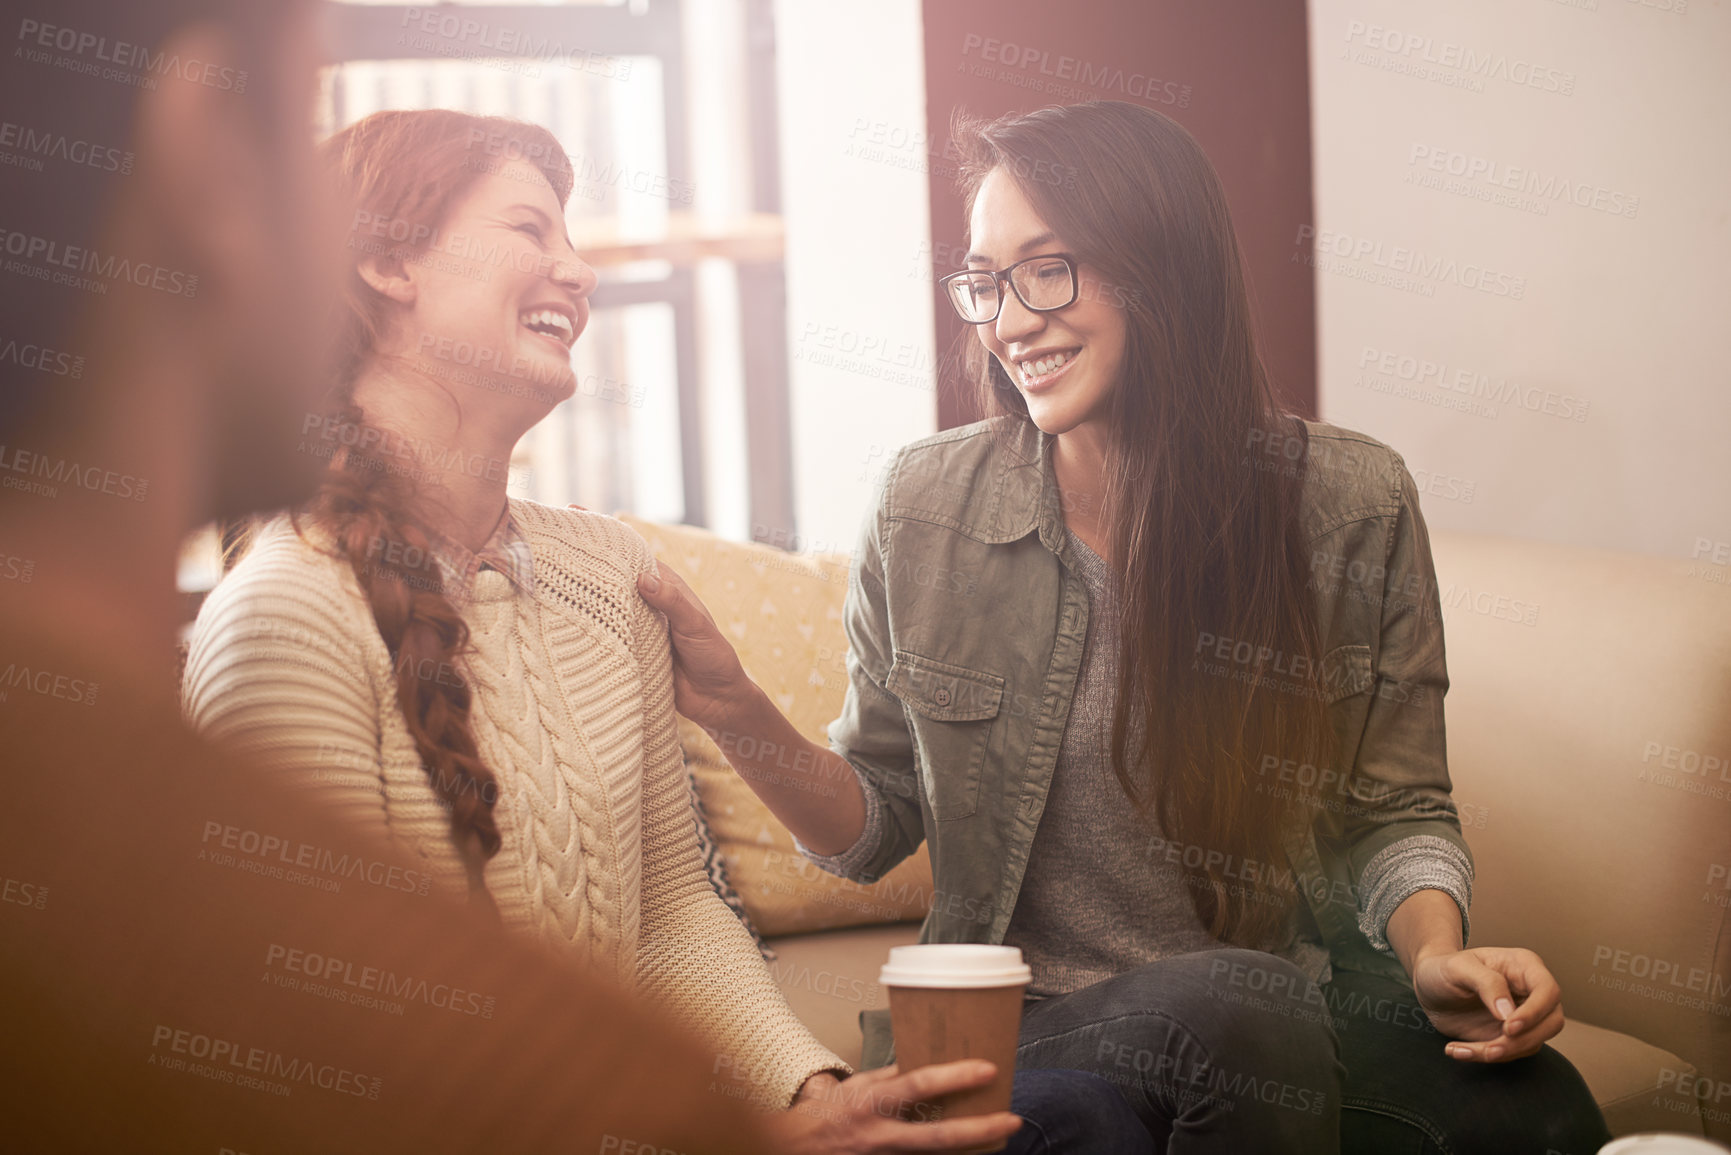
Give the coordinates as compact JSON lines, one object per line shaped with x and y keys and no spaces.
{"x":951,"y":1001}
{"x":886,"y":1112}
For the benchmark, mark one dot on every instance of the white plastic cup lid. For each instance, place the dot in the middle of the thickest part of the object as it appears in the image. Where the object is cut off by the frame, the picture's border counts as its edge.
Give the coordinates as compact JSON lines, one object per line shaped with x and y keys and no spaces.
{"x":1654,"y":1143}
{"x":955,"y":965}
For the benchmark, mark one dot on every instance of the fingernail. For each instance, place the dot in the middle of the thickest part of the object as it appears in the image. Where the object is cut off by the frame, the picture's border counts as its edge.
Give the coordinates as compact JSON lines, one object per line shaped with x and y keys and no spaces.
{"x":1505,"y":1008}
{"x":649,"y":580}
{"x":1513,"y":1027}
{"x":1461,"y":1052}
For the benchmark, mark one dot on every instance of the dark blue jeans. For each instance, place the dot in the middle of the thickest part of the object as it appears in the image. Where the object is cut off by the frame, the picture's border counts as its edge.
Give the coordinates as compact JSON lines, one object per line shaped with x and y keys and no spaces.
{"x":1073,"y":1113}
{"x":1404,"y":1096}
{"x":1201,"y":1073}
{"x":1237,"y":1051}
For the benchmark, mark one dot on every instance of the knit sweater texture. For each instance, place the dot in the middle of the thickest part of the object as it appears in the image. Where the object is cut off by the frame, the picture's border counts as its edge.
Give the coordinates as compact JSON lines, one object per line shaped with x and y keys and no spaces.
{"x":573,"y":713}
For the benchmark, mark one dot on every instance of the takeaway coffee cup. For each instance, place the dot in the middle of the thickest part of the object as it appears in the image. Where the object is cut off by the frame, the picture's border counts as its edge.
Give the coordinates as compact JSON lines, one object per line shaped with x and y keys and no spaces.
{"x":953,"y":1001}
{"x":1657,"y":1144}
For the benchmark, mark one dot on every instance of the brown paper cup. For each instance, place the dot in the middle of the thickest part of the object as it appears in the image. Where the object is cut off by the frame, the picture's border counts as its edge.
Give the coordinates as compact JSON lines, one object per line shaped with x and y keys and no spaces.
{"x":953,"y":1001}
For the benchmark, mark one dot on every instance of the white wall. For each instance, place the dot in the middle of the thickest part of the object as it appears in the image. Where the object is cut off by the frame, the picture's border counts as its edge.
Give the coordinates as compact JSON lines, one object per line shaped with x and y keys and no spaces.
{"x":715,"y":61}
{"x":851,"y":82}
{"x":1594,"y":353}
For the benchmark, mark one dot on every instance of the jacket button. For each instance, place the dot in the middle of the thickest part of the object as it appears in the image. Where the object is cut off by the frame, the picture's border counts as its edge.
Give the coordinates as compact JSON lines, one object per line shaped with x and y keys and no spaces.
{"x":942,"y":696}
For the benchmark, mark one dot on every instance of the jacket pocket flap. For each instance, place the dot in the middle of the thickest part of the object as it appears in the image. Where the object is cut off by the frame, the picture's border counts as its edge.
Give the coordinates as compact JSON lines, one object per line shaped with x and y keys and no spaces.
{"x":1346,"y":671}
{"x":942,"y":692}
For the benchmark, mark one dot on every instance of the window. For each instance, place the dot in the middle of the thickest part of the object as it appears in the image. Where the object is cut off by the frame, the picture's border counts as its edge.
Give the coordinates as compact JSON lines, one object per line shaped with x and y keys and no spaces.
{"x":680,"y":412}
{"x":683,"y":410}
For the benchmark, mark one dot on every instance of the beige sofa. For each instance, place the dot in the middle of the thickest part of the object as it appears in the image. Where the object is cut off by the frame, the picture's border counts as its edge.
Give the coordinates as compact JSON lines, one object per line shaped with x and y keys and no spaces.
{"x":1590,"y":743}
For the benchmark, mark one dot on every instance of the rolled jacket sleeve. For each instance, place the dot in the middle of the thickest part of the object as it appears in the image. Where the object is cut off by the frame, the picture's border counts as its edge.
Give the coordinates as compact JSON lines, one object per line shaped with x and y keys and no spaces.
{"x":848,"y":863}
{"x":1404,"y":868}
{"x":1406,"y":833}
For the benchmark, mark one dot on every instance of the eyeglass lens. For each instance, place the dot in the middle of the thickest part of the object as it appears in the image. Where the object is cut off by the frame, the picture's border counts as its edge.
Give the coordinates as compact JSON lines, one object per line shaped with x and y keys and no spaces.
{"x":1041,"y":284}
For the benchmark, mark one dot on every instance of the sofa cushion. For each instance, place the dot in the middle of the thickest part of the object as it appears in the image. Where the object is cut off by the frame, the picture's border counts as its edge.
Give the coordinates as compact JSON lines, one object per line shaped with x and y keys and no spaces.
{"x":1590,"y":749}
{"x":784,"y":614}
{"x":1638,"y":1086}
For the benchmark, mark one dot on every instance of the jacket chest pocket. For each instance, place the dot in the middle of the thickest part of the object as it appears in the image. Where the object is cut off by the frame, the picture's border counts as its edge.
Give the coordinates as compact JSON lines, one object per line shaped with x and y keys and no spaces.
{"x":1345,"y":671}
{"x":950,"y":711}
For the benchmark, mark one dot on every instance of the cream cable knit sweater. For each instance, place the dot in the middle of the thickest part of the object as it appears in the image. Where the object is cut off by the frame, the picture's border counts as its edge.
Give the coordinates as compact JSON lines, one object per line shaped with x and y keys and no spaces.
{"x":573,"y":712}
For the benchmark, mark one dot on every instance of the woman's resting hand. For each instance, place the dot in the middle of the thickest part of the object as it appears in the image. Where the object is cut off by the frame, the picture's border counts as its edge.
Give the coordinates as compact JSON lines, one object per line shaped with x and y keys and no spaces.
{"x":1498,"y":1003}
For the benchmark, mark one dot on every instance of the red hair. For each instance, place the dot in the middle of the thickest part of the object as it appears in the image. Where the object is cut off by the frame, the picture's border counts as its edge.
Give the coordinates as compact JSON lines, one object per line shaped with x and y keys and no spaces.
{"x":398,"y":173}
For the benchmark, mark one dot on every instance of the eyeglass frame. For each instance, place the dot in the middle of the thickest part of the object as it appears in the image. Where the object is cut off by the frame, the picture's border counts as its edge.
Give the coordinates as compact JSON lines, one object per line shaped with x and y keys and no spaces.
{"x":1002,"y":277}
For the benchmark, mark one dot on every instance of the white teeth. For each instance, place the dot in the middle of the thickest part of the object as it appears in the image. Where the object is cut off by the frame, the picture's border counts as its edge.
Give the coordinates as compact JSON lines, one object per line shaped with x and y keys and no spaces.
{"x":1045,"y":365}
{"x":543,"y":320}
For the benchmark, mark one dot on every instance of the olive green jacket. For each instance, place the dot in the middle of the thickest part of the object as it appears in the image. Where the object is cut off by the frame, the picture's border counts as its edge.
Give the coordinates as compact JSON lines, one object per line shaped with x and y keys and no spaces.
{"x":966,"y":623}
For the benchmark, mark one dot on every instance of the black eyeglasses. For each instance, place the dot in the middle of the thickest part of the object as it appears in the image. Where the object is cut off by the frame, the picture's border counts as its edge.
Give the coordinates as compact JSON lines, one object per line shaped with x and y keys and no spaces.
{"x":1043,"y":284}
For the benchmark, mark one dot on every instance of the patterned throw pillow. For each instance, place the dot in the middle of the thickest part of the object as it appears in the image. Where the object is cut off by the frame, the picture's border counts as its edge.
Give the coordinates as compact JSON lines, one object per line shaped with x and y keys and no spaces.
{"x":784,"y":613}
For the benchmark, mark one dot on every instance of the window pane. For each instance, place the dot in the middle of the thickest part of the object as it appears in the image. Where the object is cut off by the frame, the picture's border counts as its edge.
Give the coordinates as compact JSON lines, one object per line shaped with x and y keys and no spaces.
{"x":615,"y":444}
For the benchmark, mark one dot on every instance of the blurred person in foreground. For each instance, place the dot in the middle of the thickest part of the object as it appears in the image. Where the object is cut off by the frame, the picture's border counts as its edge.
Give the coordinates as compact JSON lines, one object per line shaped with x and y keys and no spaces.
{"x":190,"y":957}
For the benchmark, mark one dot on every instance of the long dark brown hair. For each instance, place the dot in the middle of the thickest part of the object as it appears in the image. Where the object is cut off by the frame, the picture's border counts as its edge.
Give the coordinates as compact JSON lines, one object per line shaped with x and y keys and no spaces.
{"x":406,"y":169}
{"x":1205,"y":544}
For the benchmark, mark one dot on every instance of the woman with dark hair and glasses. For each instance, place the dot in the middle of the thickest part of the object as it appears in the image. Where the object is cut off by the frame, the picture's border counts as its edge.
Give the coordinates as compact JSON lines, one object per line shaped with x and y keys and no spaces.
{"x":1179,"y":737}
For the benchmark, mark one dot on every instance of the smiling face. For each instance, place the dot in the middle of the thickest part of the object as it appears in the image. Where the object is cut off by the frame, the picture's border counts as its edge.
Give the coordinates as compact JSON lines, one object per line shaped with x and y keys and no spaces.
{"x":1064,"y":363}
{"x":501,"y":296}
